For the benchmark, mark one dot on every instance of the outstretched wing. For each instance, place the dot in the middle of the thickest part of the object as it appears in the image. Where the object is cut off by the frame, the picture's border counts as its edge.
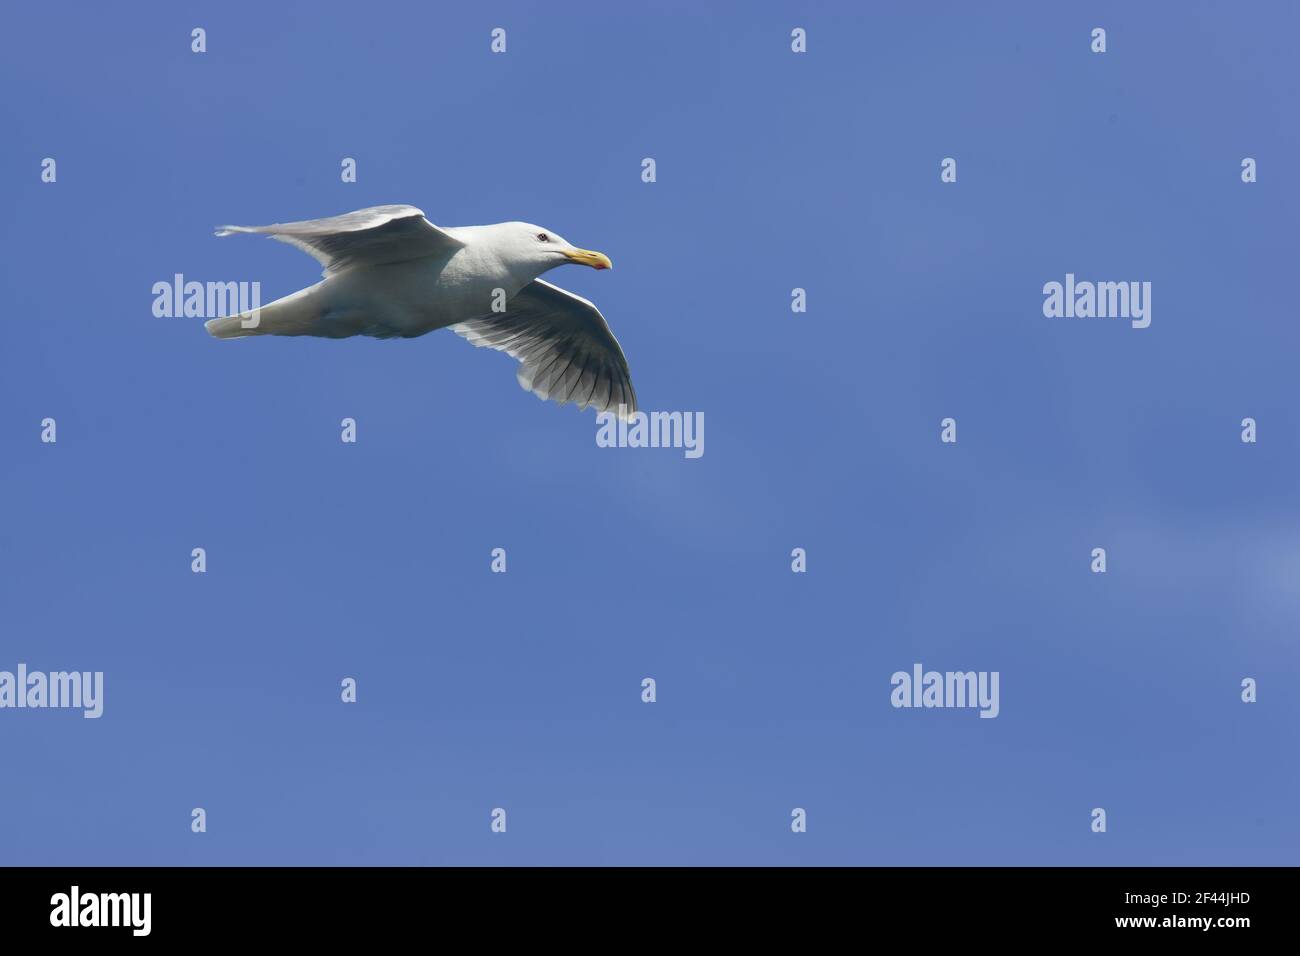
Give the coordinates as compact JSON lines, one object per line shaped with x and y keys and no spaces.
{"x":365,"y":237}
{"x":565,"y":349}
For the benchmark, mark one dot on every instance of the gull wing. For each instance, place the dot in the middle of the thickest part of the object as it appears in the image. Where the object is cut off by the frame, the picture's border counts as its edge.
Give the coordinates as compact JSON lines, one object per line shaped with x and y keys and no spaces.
{"x":366,"y":237}
{"x":565,"y":348}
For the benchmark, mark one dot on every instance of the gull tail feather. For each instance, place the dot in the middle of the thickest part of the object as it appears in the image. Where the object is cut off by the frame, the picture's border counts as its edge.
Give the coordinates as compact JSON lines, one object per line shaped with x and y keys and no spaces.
{"x":295,"y":314}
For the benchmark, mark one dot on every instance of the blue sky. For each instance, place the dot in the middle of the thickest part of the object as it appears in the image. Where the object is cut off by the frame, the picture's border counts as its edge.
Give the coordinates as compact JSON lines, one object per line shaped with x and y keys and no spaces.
{"x":522,"y":690}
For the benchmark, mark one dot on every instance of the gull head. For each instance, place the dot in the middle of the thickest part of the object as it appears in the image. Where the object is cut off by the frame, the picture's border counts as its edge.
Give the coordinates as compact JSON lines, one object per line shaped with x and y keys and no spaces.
{"x":526,"y":244}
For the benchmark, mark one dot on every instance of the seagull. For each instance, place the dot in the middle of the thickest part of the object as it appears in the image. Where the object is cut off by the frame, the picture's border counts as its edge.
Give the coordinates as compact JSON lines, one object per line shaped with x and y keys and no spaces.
{"x":391,"y":273}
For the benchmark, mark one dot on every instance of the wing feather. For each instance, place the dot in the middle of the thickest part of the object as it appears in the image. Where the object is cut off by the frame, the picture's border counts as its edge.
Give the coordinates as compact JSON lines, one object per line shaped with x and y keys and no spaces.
{"x":564,"y":346}
{"x":371,"y":236}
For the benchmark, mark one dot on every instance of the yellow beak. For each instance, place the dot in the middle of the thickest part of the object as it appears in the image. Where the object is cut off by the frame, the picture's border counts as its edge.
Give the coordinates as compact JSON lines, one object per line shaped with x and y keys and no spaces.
{"x":585,"y":257}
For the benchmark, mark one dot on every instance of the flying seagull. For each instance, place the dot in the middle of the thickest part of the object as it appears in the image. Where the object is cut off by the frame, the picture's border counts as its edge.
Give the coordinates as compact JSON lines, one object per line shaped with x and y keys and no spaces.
{"x":391,"y":273}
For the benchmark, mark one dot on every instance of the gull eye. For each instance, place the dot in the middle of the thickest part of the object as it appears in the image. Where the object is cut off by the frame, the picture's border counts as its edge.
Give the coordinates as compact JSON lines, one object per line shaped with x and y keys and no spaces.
{"x":543,"y":237}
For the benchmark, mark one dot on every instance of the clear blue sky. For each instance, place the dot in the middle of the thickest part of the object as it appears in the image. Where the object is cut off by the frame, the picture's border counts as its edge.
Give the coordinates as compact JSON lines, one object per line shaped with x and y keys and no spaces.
{"x":522,"y":690}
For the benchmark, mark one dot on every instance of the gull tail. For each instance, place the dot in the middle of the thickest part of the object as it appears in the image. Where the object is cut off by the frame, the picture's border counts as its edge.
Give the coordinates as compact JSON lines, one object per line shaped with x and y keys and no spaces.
{"x":231,"y":327}
{"x":295,"y":314}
